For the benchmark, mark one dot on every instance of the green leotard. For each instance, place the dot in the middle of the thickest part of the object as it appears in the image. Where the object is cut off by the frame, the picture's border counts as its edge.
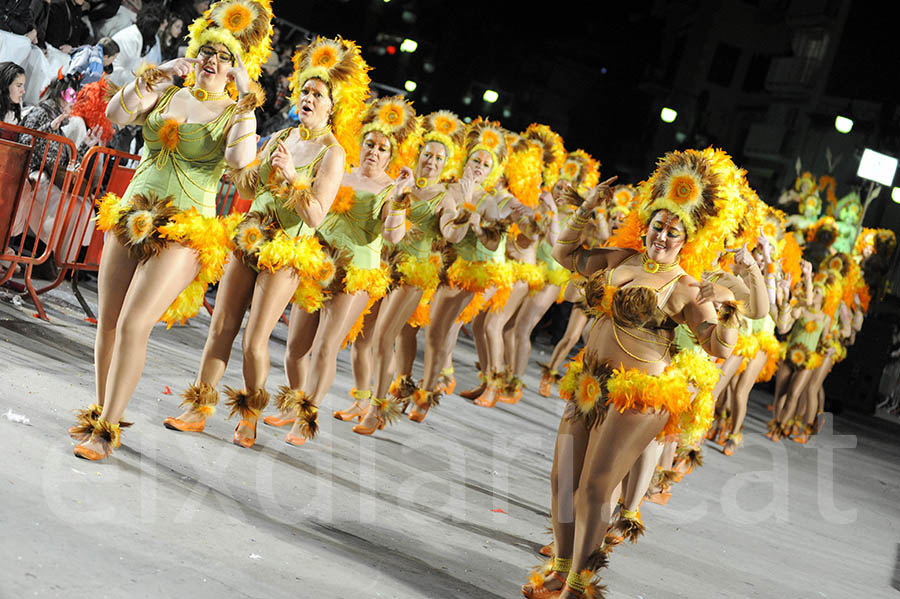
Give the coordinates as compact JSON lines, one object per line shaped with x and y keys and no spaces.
{"x":358,"y":231}
{"x":190,"y":173}
{"x":764,"y":325}
{"x":426,"y":223}
{"x":799,"y":334}
{"x":290,"y":221}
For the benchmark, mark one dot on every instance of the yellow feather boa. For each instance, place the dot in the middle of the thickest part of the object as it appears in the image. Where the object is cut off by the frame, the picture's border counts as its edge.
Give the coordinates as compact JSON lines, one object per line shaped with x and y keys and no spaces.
{"x":634,"y":389}
{"x":423,"y":273}
{"x":772,"y":348}
{"x":422,"y":316}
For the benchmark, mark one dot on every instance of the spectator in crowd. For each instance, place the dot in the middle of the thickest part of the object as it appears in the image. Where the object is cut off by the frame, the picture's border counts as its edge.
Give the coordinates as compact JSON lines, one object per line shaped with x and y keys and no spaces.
{"x":138,"y":43}
{"x":172,"y":37}
{"x":48,"y":116}
{"x":125,"y":14}
{"x":99,"y":11}
{"x":91,"y":62}
{"x":66,"y":28}
{"x":12,"y":90}
{"x":16,"y":16}
{"x":191,"y":9}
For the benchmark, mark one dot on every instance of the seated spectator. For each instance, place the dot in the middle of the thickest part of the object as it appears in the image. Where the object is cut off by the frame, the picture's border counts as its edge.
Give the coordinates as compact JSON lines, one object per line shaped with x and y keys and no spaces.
{"x":12,"y":90}
{"x":172,"y":37}
{"x":138,"y":43}
{"x":16,"y":16}
{"x":91,"y":62}
{"x":66,"y":28}
{"x":124,"y":16}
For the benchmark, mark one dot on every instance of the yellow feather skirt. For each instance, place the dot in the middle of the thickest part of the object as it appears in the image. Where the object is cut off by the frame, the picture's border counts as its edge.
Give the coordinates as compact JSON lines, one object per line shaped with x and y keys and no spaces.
{"x":210,"y":237}
{"x":532,"y":274}
{"x":772,"y":348}
{"x":634,"y":389}
{"x":478,"y":277}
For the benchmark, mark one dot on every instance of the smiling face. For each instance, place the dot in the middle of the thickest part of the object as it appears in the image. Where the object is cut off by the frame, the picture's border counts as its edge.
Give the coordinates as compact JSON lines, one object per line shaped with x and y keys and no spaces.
{"x":478,"y":166}
{"x":665,"y":237}
{"x":375,"y":152}
{"x":432,"y":158}
{"x":212,"y":70}
{"x":17,"y":89}
{"x":314,"y":105}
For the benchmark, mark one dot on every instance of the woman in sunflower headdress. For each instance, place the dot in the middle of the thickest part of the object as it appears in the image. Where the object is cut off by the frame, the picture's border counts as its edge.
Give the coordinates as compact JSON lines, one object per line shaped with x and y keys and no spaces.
{"x":638,"y":290}
{"x":165,"y":244}
{"x":579,"y":171}
{"x":470,"y":221}
{"x":369,"y":205}
{"x":293,"y":183}
{"x":801,"y":357}
{"x":414,"y":251}
{"x":519,"y":189}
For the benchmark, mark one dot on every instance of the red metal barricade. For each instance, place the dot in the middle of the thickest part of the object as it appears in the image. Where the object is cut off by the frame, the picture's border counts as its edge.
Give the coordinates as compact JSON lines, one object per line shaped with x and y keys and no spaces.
{"x":103,"y":170}
{"x":33,"y":224}
{"x":72,"y":242}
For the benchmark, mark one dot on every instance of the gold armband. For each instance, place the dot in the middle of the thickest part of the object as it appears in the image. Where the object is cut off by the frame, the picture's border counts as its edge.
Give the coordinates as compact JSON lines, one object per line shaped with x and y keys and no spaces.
{"x":721,"y":342}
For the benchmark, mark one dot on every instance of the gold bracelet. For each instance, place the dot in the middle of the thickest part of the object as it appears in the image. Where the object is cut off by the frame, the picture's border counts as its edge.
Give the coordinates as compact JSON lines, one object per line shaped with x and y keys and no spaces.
{"x":395,"y":227}
{"x":122,"y":102}
{"x":723,"y":343}
{"x":240,"y":139}
{"x":565,"y":242}
{"x":137,"y":89}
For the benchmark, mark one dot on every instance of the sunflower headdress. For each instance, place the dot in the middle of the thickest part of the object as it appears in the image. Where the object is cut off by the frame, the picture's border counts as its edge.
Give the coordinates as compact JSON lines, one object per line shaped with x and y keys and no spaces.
{"x":554,"y":152}
{"x":448,"y":129}
{"x":848,"y":209}
{"x":623,"y":200}
{"x":487,"y":135}
{"x":523,"y":169}
{"x":702,"y":188}
{"x":823,"y":230}
{"x":581,"y":170}
{"x":394,"y":117}
{"x":865,"y":239}
{"x":337,"y":63}
{"x":242,"y":26}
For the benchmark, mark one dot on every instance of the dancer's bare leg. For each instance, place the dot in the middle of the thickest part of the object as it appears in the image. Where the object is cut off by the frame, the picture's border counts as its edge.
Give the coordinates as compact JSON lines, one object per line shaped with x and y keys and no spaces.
{"x":115,"y":274}
{"x":335,"y":321}
{"x":232,"y":301}
{"x":405,"y":350}
{"x":154,"y":286}
{"x":577,"y":321}
{"x":446,"y":306}
{"x":744,"y":385}
{"x":271,"y":294}
{"x":529,"y":315}
{"x":612,"y":450}
{"x":361,"y":351}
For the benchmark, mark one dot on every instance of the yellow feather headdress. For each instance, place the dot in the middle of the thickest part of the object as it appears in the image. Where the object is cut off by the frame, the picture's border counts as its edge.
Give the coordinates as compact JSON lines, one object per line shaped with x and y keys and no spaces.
{"x":336,"y":62}
{"x":242,"y":26}
{"x":624,"y":199}
{"x":397,"y":120}
{"x":554,"y":151}
{"x":487,"y":135}
{"x":524,"y":169}
{"x":448,"y":129}
{"x":581,"y":170}
{"x":702,"y":188}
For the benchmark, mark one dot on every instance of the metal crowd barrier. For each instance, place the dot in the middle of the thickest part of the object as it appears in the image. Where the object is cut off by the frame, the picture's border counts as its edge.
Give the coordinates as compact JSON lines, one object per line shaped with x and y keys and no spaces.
{"x":61,"y":216}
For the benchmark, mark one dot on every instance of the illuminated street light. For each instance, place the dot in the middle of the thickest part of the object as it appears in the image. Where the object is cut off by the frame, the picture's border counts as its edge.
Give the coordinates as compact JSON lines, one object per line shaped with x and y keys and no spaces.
{"x":467,"y":100}
{"x":408,"y":45}
{"x":877,"y":167}
{"x":668,"y":115}
{"x":843,"y":124}
{"x":490,"y":96}
{"x":410,"y":85}
{"x":895,"y":195}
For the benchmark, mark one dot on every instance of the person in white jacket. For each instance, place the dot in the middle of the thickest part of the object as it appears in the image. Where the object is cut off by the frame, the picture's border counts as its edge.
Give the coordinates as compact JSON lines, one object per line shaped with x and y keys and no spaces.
{"x":138,"y":43}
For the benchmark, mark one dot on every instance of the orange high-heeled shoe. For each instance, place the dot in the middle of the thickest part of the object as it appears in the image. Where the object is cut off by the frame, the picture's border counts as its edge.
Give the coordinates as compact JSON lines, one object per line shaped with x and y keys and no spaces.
{"x":278,"y":421}
{"x":176,"y":424}
{"x":473,"y":393}
{"x":354,"y":412}
{"x":361,"y":429}
{"x":546,"y":551}
{"x":535,"y":589}
{"x":489,"y":398}
{"x":545,"y":388}
{"x":245,"y":442}
{"x":107,"y":434}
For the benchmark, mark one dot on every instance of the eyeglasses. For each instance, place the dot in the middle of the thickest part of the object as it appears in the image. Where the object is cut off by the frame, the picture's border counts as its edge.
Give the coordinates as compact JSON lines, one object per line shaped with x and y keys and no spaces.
{"x":209,"y":51}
